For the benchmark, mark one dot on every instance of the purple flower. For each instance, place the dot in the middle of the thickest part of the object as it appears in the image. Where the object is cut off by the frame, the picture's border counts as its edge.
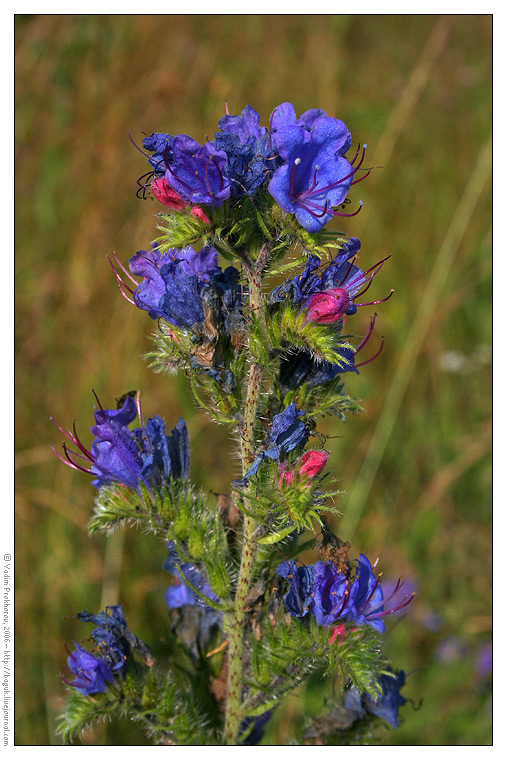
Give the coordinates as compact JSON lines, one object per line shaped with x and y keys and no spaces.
{"x":181,"y":286}
{"x":369,"y":604}
{"x":330,"y":595}
{"x":160,"y":145}
{"x":124,"y":456}
{"x":484,"y":661}
{"x":91,"y":673}
{"x":298,"y":599}
{"x":167,"y":456}
{"x":315,"y":177}
{"x":196,"y":172}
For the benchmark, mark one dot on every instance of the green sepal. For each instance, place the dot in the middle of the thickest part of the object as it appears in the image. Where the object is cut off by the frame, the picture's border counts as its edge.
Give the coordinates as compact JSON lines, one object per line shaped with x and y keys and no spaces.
{"x":179,"y":229}
{"x":275,"y":536}
{"x":117,"y":504}
{"x":287,"y":327}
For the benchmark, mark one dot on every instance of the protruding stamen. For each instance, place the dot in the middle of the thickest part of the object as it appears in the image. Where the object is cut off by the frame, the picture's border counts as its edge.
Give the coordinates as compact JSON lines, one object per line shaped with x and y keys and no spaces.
{"x":346,"y":597}
{"x":297,"y":161}
{"x":355,"y":182}
{"x":139,"y":410}
{"x":406,"y":601}
{"x":68,"y":459}
{"x":355,"y":155}
{"x":373,"y":357}
{"x":372,"y":303}
{"x":375,"y":269}
{"x":365,"y":604}
{"x":348,"y":271}
{"x":146,"y":155}
{"x":98,"y":402}
{"x":364,"y":342}
{"x":354,"y":213}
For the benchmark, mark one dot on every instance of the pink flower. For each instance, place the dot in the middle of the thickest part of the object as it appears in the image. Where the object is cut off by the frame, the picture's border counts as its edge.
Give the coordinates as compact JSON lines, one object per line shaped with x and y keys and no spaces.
{"x":167,"y":195}
{"x":338,"y":632}
{"x":170,"y":198}
{"x":328,"y":306}
{"x":310,"y":464}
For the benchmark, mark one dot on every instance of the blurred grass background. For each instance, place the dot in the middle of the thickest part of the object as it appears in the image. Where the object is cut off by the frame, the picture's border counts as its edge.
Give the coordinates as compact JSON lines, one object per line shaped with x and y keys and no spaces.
{"x":416,"y":464}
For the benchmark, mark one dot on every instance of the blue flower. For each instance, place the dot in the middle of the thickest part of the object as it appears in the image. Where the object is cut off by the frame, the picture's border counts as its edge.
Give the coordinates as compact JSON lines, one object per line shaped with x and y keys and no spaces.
{"x":300,"y":367}
{"x":168,"y":290}
{"x":302,"y":286}
{"x":257,"y":730}
{"x":331,"y":594}
{"x":167,"y":455}
{"x":367,"y":597}
{"x":91,"y":673}
{"x":248,"y":148}
{"x":181,"y":595}
{"x":196,"y":172}
{"x":110,"y":636}
{"x":124,"y":456}
{"x":315,"y":177}
{"x":115,"y":454}
{"x":286,"y":433}
{"x":177,"y":596}
{"x":185,"y":288}
{"x":298,"y":599}
{"x":160,"y":144}
{"x":387,"y":706}
{"x":245,"y":126}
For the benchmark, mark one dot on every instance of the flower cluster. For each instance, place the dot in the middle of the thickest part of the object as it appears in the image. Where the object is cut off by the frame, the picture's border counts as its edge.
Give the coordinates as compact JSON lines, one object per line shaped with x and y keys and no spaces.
{"x":326,"y":295}
{"x":128,"y":457}
{"x":325,"y":593}
{"x":301,"y":161}
{"x":287,"y":432}
{"x":114,"y":645}
{"x":189,"y":290}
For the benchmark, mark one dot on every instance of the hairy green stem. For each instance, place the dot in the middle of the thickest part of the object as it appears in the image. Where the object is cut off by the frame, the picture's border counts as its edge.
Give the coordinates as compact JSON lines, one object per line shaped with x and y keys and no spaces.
{"x":247,"y":431}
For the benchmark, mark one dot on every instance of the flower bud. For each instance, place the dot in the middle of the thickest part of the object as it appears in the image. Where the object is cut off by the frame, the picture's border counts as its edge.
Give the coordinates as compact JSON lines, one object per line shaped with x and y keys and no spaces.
{"x":328,"y":306}
{"x":310,"y":464}
{"x":166,"y":195}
